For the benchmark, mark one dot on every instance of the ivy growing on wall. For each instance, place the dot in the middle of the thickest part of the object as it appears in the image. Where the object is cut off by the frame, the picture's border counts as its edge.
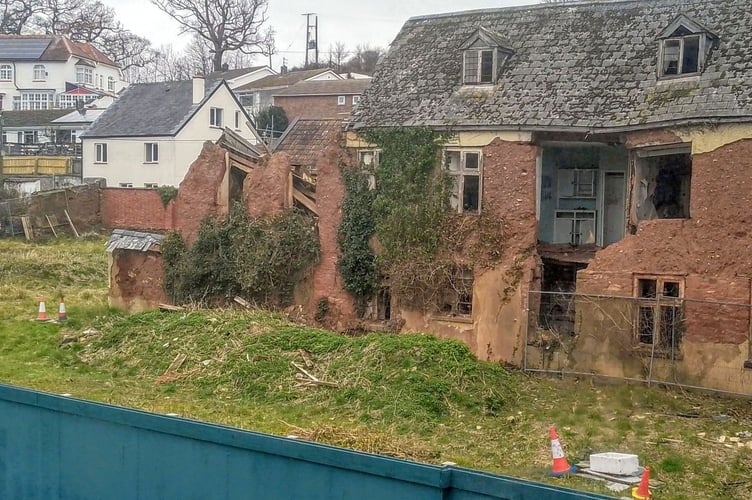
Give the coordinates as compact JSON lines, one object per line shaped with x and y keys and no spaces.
{"x":261,"y":259}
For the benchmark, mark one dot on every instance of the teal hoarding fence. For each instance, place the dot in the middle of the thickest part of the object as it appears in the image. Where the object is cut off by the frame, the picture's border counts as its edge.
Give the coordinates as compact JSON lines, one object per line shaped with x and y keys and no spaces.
{"x":55,"y":447}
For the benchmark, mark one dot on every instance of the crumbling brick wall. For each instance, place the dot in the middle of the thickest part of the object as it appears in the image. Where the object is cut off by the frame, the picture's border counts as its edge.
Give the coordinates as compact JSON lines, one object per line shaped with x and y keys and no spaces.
{"x":198,"y":194}
{"x":82,"y":203}
{"x":265,"y":189}
{"x":135,"y":208}
{"x":136,"y":280}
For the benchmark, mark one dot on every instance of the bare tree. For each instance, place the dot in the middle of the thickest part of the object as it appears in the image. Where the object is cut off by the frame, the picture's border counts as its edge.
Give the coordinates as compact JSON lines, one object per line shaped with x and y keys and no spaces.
{"x":16,"y":14}
{"x":364,"y":59}
{"x":226,"y":25}
{"x":337,"y":54}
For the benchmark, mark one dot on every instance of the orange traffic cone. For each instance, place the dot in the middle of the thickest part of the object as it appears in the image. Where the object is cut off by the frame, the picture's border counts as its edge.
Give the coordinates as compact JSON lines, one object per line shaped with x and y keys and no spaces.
{"x":642,"y":492}
{"x":561,"y":466}
{"x":62,"y":315}
{"x":42,"y":316}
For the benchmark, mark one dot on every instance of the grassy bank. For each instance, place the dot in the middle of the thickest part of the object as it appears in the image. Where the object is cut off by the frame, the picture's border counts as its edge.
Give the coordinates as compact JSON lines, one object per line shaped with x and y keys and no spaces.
{"x":410,"y":396}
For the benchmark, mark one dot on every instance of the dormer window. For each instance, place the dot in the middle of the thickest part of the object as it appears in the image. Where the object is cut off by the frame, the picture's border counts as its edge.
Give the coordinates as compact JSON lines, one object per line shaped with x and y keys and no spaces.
{"x":684,"y":46}
{"x":483,"y":55}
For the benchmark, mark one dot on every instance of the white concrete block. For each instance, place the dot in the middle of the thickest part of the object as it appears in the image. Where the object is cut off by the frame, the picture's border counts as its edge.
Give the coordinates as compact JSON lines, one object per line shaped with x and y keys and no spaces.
{"x":623,"y":464}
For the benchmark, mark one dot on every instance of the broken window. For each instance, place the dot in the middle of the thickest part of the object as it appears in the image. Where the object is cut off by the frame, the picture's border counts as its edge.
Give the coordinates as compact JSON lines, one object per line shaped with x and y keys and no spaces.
{"x":557,"y":311}
{"x":660,"y":314}
{"x":457,"y":299}
{"x":681,"y":56}
{"x":663,"y":183}
{"x":368,"y":159}
{"x":465,"y":169}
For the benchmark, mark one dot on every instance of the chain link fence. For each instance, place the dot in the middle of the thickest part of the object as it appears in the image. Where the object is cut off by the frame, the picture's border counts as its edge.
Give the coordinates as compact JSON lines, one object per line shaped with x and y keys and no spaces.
{"x":657,"y":337}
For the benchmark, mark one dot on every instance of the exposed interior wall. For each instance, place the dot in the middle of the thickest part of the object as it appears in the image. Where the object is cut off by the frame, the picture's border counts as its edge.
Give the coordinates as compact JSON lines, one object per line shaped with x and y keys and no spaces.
{"x":496,"y":328}
{"x":707,"y":253}
{"x":265,"y":189}
{"x":135,"y":280}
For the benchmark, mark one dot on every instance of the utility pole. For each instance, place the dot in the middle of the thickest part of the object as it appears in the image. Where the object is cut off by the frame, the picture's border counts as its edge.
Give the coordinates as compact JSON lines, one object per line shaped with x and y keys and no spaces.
{"x":311,"y":43}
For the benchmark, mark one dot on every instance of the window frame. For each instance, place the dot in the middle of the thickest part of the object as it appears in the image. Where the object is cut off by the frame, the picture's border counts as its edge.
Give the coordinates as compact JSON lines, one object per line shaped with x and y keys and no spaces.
{"x":6,"y":73}
{"x":355,"y":99}
{"x":111,"y":83}
{"x":341,"y":100}
{"x":151,"y":152}
{"x":84,"y":75}
{"x":100,"y":152}
{"x":458,"y":296}
{"x":39,"y":73}
{"x":216,"y":117}
{"x":656,"y":304}
{"x":125,"y":184}
{"x":237,"y":120}
{"x":151,"y":185}
{"x":680,"y":66}
{"x":459,"y":177}
{"x":479,"y":68}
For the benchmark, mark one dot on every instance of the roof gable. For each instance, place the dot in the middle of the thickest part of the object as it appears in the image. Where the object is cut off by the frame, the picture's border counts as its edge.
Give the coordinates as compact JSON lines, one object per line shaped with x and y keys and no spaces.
{"x":486,"y":39}
{"x":684,"y":25}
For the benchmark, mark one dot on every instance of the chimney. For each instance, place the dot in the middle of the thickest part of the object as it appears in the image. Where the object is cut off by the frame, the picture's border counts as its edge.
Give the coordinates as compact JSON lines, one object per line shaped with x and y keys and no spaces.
{"x":283,"y":70}
{"x":198,"y":88}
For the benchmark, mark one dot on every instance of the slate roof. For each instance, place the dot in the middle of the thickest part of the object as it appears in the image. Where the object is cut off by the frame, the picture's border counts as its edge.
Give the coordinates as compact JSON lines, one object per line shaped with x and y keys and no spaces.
{"x":32,"y":118}
{"x":121,"y":239}
{"x":305,"y":139}
{"x":326,"y":87}
{"x":232,"y":73}
{"x":584,"y":65}
{"x":282,"y":80}
{"x":150,"y":109}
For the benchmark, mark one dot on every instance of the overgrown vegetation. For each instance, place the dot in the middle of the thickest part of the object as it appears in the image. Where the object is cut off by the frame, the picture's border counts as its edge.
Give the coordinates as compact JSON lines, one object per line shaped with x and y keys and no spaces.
{"x":412,"y":396}
{"x":167,"y":194}
{"x":260,"y":258}
{"x":424,"y":246}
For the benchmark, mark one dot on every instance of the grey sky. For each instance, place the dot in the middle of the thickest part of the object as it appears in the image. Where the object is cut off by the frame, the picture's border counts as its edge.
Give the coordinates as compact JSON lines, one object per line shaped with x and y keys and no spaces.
{"x":375,"y":22}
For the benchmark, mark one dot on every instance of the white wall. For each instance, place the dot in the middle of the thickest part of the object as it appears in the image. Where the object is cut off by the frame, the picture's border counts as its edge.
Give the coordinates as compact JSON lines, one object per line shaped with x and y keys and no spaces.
{"x":125,"y":156}
{"x":57,"y":74}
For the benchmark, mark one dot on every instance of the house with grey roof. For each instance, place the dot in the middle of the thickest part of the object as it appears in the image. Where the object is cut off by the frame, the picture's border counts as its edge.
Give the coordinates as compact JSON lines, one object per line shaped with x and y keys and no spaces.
{"x":612,"y":142}
{"x":154,"y":131}
{"x":321,"y":99}
{"x":52,"y":71}
{"x":258,"y":95}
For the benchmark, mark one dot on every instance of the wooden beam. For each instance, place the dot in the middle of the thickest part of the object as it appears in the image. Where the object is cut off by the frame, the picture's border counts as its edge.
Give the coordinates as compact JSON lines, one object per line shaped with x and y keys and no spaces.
{"x":305,"y":201}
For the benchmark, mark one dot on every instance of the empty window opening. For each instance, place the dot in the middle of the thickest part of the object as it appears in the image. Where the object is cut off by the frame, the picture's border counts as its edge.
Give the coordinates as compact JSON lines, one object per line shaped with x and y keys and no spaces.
{"x":660,"y":315}
{"x":384,"y":304}
{"x":663,"y":186}
{"x":557,"y":300}
{"x":457,"y":299}
{"x":235,"y":191}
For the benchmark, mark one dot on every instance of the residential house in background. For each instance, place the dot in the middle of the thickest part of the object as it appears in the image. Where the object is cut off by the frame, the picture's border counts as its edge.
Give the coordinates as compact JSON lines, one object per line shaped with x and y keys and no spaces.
{"x":612,"y":142}
{"x":154,"y":131}
{"x":321,"y":99}
{"x":51,"y":71}
{"x":259,"y":95}
{"x":239,"y":77}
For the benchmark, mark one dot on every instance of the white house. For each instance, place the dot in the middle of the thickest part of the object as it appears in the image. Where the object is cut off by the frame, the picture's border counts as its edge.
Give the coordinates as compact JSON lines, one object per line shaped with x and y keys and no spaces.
{"x":154,"y":131}
{"x":52,"y":71}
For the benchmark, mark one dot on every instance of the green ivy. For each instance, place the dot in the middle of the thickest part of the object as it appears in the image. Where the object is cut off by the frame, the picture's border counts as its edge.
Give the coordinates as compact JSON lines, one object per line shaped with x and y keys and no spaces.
{"x":261,"y":259}
{"x":167,"y":194}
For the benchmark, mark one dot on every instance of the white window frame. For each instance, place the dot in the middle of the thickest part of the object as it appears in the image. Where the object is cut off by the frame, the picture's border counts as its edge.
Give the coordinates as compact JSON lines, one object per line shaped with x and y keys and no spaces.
{"x":40,"y":73}
{"x":6,"y":72}
{"x":237,"y":120}
{"x":458,"y":178}
{"x":355,"y":99}
{"x":476,"y":80}
{"x":111,"y":83}
{"x":100,"y":152}
{"x":125,"y":185}
{"x":215,"y":117}
{"x":151,"y":152}
{"x":680,"y":66}
{"x":33,"y":100}
{"x":151,"y":185}
{"x":65,"y":101}
{"x":341,"y":100}
{"x":84,"y":75}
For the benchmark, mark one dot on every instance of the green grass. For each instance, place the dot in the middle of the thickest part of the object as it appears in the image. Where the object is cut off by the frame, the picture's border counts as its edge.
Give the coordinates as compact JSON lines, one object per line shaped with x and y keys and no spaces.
{"x":411,"y":396}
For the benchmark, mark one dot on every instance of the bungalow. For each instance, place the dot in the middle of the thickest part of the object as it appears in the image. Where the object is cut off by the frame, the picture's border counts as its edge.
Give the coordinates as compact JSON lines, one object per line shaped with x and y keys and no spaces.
{"x":154,"y":131}
{"x":613,"y":140}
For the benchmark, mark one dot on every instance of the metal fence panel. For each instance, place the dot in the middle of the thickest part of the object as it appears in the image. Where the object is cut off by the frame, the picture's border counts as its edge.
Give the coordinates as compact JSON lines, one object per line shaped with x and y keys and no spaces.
{"x":58,"y":447}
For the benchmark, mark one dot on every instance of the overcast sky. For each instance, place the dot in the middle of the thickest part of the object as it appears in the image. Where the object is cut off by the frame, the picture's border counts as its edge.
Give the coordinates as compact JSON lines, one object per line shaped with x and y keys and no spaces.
{"x":375,"y":22}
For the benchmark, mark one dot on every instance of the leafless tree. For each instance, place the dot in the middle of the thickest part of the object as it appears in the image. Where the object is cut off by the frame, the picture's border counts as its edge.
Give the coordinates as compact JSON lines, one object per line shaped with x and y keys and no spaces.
{"x":337,"y":54}
{"x":226,"y":25}
{"x":364,"y":59}
{"x":16,"y":14}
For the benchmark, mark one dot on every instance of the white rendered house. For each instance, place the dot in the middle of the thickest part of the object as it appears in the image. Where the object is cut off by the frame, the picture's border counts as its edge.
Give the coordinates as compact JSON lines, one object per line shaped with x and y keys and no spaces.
{"x":150,"y":136}
{"x":51,"y":71}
